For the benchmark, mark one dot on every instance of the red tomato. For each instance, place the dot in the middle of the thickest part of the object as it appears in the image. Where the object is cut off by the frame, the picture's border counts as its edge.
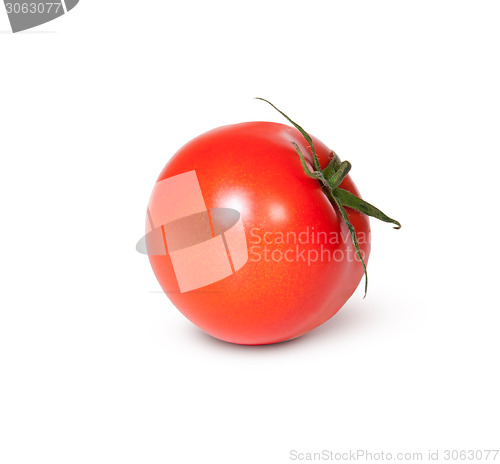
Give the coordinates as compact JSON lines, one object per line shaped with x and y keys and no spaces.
{"x":300,"y":267}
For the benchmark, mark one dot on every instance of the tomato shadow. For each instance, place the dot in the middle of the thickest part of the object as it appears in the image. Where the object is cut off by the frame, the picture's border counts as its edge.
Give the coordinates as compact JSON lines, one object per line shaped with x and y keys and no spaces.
{"x":345,"y":323}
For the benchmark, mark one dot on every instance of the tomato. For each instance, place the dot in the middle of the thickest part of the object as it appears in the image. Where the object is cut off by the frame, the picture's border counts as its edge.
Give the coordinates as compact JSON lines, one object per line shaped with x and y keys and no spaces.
{"x":248,"y":247}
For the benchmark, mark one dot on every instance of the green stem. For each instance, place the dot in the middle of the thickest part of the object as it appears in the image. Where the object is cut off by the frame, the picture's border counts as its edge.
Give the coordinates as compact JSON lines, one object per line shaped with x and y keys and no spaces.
{"x":333,"y":166}
{"x":337,"y":177}
{"x":330,"y":179}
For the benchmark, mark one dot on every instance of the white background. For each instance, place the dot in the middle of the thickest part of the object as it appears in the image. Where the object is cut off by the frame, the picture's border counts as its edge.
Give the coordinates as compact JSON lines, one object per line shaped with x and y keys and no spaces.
{"x":96,"y":366}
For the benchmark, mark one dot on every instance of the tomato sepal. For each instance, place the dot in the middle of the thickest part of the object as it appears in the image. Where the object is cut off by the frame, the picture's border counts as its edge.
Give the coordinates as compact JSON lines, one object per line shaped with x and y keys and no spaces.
{"x":352,"y":201}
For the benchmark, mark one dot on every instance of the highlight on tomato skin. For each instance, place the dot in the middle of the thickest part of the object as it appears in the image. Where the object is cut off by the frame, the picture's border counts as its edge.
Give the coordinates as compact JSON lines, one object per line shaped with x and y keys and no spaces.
{"x":257,"y":233}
